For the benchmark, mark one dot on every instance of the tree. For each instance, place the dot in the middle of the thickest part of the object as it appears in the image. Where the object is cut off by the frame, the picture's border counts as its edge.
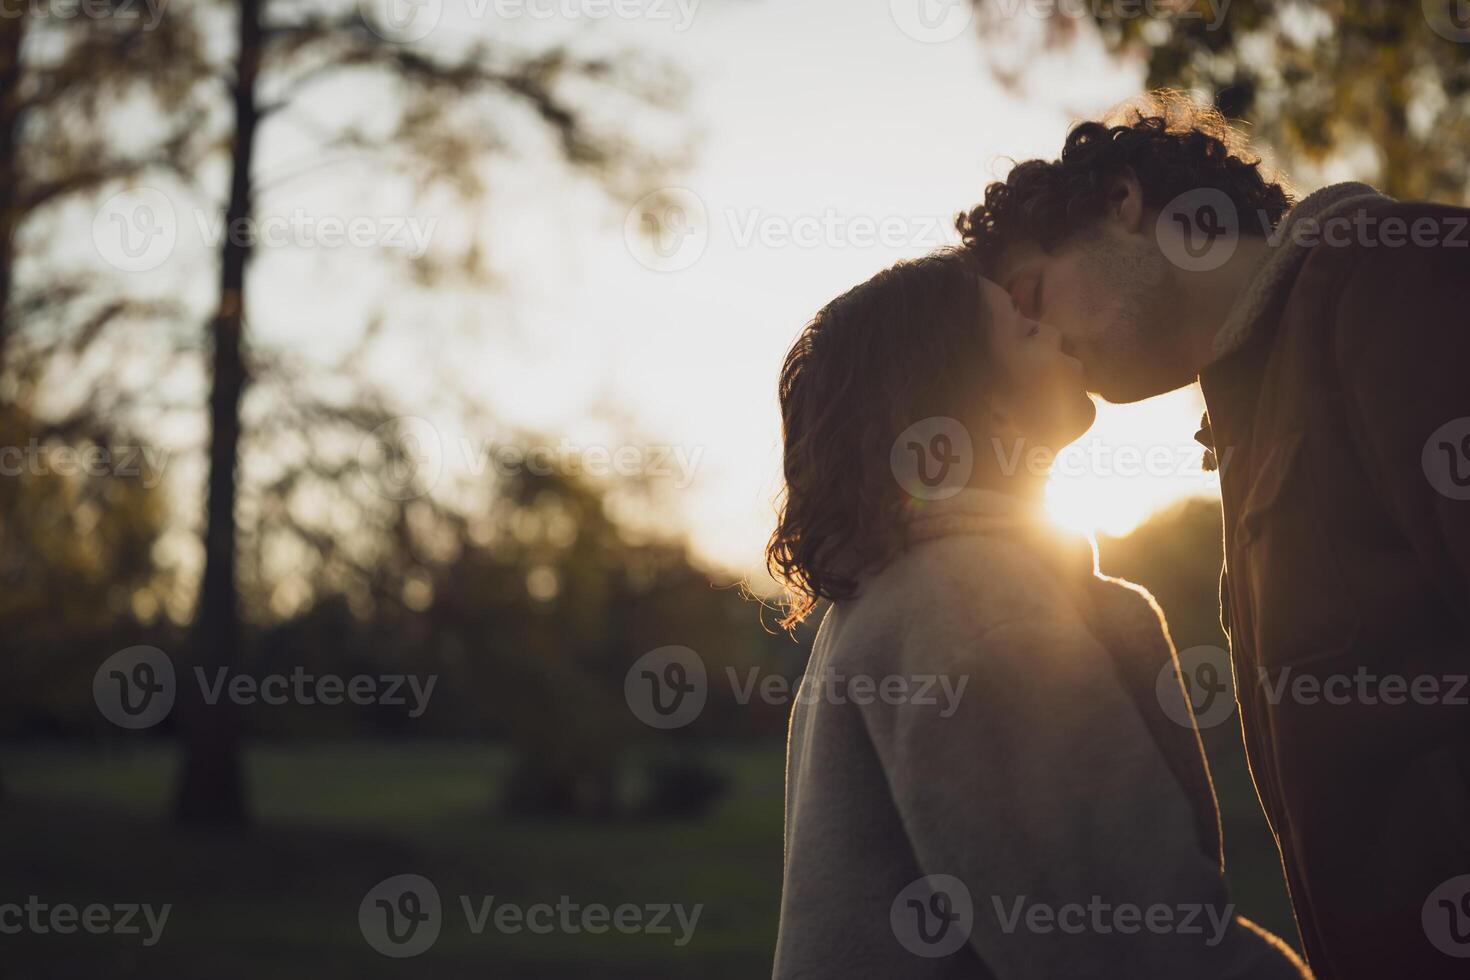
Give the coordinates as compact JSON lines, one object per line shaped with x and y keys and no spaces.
{"x":61,"y":78}
{"x":446,"y":104}
{"x":1382,"y":86}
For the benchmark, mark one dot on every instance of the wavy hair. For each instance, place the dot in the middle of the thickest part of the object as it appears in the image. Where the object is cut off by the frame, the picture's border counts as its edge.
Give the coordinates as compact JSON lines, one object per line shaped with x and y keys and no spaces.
{"x":909,"y":344}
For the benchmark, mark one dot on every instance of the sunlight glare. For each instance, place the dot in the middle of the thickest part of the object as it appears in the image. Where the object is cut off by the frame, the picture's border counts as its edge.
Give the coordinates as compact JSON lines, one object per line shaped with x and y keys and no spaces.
{"x":1137,"y":459}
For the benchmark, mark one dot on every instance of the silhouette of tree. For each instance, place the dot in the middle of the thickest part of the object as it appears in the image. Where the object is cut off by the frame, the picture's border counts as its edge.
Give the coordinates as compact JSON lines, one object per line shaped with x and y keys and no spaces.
{"x":445,"y":115}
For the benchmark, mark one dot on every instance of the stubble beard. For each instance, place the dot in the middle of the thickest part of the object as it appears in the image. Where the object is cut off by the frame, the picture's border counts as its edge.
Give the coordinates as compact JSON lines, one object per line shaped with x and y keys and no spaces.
{"x":1133,"y":354}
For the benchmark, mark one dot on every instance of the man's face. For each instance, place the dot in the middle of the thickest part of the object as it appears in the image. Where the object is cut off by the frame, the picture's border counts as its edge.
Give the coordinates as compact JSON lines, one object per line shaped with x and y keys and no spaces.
{"x":1111,"y":295}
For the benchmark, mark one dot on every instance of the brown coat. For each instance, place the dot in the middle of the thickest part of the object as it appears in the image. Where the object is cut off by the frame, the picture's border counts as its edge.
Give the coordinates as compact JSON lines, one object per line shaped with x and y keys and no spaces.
{"x":1347,"y":565}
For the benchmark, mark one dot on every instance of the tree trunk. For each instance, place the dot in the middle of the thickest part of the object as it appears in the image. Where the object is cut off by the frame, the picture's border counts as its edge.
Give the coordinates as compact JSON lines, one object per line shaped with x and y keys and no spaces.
{"x":212,"y":787}
{"x":12,"y":32}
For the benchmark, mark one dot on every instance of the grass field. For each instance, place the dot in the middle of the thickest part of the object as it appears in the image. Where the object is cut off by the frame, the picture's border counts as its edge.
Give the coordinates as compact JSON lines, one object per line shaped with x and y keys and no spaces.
{"x":84,"y":826}
{"x":282,"y":901}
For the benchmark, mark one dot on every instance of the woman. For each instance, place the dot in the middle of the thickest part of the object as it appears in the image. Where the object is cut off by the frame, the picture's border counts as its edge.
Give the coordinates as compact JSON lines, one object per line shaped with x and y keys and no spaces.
{"x":982,"y":778}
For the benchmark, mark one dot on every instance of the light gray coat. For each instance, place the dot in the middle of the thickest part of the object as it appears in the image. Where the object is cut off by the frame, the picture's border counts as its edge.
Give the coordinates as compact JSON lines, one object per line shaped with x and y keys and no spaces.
{"x":987,"y":715}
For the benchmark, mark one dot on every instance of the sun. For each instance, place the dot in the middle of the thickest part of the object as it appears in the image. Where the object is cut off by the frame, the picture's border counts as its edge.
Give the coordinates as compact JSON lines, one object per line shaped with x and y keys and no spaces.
{"x":1136,"y":460}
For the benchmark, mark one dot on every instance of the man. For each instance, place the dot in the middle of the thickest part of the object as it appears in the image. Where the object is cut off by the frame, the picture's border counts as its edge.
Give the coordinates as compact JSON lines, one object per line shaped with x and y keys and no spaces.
{"x":1332,"y":345}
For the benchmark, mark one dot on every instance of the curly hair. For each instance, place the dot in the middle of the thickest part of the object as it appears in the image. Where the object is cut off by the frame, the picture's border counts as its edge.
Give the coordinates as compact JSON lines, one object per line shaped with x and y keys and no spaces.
{"x":1170,"y":143}
{"x":909,"y":344}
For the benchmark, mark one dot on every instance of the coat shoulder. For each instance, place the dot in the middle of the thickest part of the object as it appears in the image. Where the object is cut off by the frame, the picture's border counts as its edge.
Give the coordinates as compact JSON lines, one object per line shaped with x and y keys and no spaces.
{"x":938,"y":596}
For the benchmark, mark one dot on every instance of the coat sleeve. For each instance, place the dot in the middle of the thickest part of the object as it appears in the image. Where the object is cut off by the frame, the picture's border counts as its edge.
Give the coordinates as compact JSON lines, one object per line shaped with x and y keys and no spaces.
{"x":1045,"y":795}
{"x":1402,"y":336}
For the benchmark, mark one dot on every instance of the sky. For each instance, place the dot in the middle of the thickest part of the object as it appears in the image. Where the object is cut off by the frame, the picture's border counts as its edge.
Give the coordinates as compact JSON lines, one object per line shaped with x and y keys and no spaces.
{"x":833,"y":144}
{"x":826,"y":140}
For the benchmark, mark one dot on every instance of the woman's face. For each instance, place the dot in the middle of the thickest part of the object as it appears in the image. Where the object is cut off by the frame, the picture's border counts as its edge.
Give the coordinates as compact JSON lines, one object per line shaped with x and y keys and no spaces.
{"x":1042,"y":393}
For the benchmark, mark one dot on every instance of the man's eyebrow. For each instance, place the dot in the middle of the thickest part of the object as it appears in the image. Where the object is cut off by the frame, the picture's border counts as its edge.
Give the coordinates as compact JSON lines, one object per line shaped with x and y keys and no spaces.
{"x":1021,"y":270}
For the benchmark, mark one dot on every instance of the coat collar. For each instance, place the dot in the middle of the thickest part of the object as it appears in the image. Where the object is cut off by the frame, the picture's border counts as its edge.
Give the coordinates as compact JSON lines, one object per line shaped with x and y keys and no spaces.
{"x":1277,"y":271}
{"x":991,"y":512}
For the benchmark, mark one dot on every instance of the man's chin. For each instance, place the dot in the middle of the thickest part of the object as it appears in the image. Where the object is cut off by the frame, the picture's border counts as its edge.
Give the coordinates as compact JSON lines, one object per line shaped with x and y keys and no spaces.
{"x":1124,"y":393}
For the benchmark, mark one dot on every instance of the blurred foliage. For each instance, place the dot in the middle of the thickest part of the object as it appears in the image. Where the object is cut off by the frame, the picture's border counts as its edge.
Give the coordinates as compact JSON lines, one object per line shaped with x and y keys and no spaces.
{"x":1176,"y":555}
{"x":1379,"y":89}
{"x":77,"y":569}
{"x":528,"y":615}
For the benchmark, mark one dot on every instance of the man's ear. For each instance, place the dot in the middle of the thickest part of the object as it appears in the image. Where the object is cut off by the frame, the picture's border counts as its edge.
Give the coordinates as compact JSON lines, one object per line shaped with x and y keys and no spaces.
{"x":1125,"y":201}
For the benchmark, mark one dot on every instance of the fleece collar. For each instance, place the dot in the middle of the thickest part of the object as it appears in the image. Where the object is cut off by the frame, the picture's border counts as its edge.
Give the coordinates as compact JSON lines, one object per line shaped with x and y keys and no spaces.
{"x":990,"y":512}
{"x":1284,"y":258}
